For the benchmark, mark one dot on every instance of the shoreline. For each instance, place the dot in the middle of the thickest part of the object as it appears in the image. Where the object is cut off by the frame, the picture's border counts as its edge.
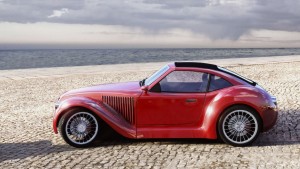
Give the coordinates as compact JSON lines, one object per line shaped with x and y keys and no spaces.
{"x":19,"y":74}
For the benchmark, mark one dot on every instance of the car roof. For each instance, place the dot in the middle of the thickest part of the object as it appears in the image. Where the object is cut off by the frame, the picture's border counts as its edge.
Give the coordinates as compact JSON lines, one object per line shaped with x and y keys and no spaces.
{"x":213,"y":67}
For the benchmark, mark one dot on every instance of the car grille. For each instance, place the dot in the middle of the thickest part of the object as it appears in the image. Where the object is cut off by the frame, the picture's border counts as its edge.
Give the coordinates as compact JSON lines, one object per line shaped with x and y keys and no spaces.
{"x":123,"y":105}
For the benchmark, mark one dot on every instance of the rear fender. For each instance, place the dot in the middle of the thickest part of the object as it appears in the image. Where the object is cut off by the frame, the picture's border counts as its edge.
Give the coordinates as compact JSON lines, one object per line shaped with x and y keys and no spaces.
{"x":108,"y":115}
{"x":217,"y":102}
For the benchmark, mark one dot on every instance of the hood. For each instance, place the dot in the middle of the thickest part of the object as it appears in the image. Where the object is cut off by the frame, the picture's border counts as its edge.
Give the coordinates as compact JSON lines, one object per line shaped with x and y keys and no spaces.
{"x":126,"y":87}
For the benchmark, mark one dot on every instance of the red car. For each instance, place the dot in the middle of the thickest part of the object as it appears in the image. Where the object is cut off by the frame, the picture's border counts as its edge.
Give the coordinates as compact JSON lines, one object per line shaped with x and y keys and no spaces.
{"x":181,"y":100}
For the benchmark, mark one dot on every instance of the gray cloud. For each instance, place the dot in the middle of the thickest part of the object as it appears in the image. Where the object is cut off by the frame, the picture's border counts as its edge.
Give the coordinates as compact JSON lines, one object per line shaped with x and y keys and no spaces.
{"x":218,"y":19}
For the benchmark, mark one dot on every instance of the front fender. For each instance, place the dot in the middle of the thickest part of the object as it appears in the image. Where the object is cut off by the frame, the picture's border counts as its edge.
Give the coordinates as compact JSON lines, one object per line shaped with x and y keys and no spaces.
{"x":110,"y":116}
{"x":218,"y":101}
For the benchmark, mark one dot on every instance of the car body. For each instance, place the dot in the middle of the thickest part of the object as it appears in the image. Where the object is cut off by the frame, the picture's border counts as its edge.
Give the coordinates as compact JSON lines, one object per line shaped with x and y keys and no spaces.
{"x":181,"y":100}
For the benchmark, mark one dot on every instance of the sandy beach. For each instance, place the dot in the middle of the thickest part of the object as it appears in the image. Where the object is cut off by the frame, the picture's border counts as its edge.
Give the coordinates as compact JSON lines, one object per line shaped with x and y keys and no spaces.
{"x":27,"y":106}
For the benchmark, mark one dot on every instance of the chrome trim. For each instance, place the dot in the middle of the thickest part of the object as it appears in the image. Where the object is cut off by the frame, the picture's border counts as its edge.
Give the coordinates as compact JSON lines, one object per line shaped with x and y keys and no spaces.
{"x":274,"y":100}
{"x":123,"y":105}
{"x":57,"y":105}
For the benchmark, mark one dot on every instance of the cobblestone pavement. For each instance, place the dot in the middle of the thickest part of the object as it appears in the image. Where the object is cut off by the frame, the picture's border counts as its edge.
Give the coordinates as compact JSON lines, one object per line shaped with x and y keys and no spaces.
{"x":27,"y":140}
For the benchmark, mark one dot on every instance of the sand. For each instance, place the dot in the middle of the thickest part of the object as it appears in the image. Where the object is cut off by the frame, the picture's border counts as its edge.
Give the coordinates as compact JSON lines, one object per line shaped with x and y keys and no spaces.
{"x":27,"y":139}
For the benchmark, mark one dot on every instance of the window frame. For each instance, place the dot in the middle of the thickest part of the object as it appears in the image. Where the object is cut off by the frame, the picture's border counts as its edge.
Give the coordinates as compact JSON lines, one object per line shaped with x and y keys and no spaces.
{"x":156,"y":75}
{"x":207,"y":87}
{"x":208,"y":82}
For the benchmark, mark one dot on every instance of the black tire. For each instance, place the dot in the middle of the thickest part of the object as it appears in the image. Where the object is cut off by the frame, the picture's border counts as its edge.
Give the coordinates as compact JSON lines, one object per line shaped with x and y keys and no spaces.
{"x":80,"y":124}
{"x":239,"y":126}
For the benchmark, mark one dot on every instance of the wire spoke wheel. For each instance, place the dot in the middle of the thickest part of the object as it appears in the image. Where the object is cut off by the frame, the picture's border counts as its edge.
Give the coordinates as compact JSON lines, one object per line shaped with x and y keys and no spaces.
{"x":81,"y":128}
{"x":240,"y":126}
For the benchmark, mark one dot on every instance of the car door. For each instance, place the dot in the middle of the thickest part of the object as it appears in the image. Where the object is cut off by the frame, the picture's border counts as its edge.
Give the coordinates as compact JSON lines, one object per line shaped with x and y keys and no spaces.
{"x":176,"y":100}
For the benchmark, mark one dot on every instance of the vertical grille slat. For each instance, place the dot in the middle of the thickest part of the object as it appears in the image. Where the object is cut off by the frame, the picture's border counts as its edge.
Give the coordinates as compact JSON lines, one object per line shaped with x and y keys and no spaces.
{"x":123,"y":105}
{"x":131,"y":108}
{"x":126,"y":109}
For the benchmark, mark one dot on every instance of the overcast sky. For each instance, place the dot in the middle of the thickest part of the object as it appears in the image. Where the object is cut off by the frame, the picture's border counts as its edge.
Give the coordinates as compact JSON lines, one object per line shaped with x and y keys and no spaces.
{"x":149,"y":23}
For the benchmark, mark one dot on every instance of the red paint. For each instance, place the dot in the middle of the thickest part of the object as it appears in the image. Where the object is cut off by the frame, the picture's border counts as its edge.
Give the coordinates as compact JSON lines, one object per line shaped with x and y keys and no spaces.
{"x":137,"y":113}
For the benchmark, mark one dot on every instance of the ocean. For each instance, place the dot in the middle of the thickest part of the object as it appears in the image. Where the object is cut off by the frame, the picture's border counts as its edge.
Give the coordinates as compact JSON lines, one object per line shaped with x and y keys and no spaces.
{"x":22,"y":59}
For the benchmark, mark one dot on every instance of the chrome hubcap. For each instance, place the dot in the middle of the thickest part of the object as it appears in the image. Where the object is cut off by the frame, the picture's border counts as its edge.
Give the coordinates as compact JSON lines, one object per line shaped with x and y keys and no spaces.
{"x":240,"y":126}
{"x":81,"y":128}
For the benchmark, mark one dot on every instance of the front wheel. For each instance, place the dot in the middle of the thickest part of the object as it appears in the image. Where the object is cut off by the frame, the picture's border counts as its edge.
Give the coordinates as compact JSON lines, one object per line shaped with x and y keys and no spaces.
{"x":79,"y":128}
{"x":239,"y":126}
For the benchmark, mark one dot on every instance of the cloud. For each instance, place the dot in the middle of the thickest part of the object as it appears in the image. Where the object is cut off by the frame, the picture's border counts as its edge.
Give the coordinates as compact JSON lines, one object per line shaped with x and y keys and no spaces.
{"x":216,"y":19}
{"x":58,"y":13}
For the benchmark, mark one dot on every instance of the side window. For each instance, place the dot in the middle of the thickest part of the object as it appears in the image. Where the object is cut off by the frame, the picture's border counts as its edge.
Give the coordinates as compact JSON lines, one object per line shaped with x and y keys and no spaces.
{"x":184,"y":82}
{"x":217,"y":83}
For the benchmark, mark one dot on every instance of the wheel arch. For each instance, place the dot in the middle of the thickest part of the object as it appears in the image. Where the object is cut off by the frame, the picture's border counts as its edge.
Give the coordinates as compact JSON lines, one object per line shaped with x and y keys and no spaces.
{"x":217,"y":104}
{"x":82,"y":108}
{"x":110,"y":117}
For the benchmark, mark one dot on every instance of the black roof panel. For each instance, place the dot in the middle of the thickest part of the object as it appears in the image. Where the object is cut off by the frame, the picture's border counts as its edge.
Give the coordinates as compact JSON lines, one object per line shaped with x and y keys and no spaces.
{"x":196,"y":64}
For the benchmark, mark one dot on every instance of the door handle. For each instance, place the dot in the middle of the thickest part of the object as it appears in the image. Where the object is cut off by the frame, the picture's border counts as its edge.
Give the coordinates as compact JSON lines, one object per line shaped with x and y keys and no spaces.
{"x":191,"y":100}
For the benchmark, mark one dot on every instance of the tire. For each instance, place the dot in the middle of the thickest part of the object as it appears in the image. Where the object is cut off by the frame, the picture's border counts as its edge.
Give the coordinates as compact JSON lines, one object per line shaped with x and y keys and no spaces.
{"x":79,"y":128}
{"x":239,"y":126}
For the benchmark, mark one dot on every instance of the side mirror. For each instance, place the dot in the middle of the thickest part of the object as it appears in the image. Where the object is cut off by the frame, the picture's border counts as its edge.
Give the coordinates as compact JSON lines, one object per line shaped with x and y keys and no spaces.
{"x":145,"y":88}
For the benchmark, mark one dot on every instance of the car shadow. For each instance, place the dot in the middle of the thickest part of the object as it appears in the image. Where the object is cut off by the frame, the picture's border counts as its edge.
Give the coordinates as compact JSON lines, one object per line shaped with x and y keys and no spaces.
{"x":126,"y":141}
{"x":285,"y":132}
{"x":280,"y":143}
{"x":284,"y":138}
{"x":196,"y":141}
{"x":11,"y":151}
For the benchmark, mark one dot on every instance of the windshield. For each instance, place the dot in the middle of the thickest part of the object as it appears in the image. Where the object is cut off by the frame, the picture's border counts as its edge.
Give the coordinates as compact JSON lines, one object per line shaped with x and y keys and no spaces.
{"x":156,"y":75}
{"x":237,"y":75}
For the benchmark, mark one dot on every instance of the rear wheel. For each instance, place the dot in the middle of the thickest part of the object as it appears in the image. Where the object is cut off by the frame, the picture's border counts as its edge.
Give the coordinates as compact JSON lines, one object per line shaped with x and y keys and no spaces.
{"x":239,"y":126}
{"x":79,"y":128}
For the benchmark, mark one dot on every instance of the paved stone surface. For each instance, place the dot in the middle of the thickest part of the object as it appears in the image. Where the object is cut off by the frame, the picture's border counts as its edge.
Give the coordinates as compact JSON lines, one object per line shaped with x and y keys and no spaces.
{"x":27,"y":140}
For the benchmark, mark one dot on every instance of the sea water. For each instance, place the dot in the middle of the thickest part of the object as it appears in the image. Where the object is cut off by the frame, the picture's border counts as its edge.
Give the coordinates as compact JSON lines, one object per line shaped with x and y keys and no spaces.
{"x":20,"y":59}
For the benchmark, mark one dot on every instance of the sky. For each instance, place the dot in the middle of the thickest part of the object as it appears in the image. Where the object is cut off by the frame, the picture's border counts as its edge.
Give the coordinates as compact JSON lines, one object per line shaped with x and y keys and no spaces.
{"x":149,"y":23}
